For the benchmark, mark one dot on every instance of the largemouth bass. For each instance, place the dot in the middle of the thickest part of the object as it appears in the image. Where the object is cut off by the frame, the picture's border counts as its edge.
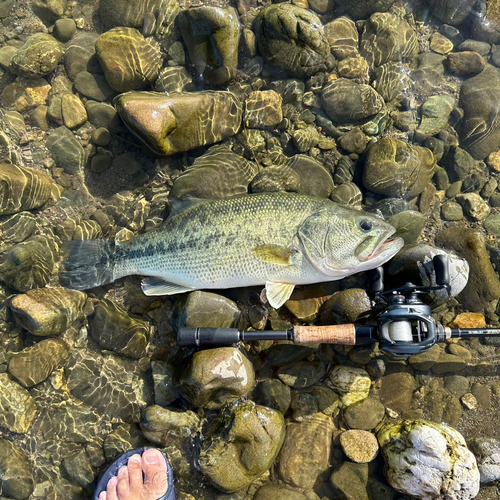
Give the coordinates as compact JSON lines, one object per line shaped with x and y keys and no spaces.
{"x":277,"y":239}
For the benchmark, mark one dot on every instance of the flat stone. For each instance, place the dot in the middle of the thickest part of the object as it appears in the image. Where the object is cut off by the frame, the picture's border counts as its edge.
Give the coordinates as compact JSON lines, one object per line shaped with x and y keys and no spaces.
{"x":25,"y":93}
{"x":263,"y":109}
{"x":93,"y":86}
{"x":365,"y":414}
{"x":396,"y":390}
{"x":73,"y":111}
{"x":350,"y":479}
{"x":67,"y":152}
{"x":359,"y":446}
{"x":315,"y":180}
{"x":351,"y":383}
{"x":465,"y":63}
{"x":441,"y":44}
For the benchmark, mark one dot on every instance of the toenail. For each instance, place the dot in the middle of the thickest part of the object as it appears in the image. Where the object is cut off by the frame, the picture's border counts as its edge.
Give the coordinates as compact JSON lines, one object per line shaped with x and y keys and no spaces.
{"x":122,"y":471}
{"x":136,"y":459}
{"x":113,"y":481}
{"x":151,"y":458}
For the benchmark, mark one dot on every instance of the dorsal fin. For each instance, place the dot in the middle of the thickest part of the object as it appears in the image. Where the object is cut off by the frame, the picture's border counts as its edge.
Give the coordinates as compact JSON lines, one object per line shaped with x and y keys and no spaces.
{"x":177,"y":205}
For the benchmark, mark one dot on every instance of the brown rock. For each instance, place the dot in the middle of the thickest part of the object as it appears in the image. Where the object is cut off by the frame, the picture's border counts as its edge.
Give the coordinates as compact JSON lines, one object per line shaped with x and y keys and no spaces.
{"x":468,"y":320}
{"x":464,"y":63}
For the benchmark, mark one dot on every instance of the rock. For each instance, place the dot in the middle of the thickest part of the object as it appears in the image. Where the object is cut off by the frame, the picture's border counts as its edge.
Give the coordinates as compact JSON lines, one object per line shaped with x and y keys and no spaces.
{"x":456,"y":385}
{"x":273,"y":394}
{"x":28,"y":264}
{"x":66,"y":150}
{"x":451,"y":211}
{"x":486,"y":24}
{"x":392,"y":81}
{"x":361,"y":9}
{"x":93,"y":86}
{"x":244,"y":448}
{"x":424,"y":361}
{"x":440,"y":44}
{"x":206,"y":309}
{"x":293,"y":38}
{"x":22,"y":188}
{"x":16,"y":472}
{"x":163,"y":425}
{"x":347,"y":306}
{"x":465,"y":63}
{"x":352,"y":67}
{"x":73,"y":111}
{"x":163,"y":380}
{"x":122,"y":439}
{"x":275,"y":179}
{"x":263,"y":109}
{"x":343,"y":38}
{"x":387,"y":37}
{"x":18,"y":227}
{"x":426,"y":458}
{"x":411,"y":222}
{"x":359,"y":446}
{"x":65,"y":29}
{"x":487,"y":453}
{"x":474,"y":206}
{"x":449,"y":12}
{"x":110,"y":384}
{"x":396,"y":390}
{"x":458,"y":164}
{"x":129,"y":61}
{"x":213,"y":377}
{"x":80,"y":54}
{"x":34,"y":364}
{"x":429,"y":73}
{"x":448,"y":363}
{"x":350,"y":480}
{"x":306,"y":451}
{"x":113,"y":329}
{"x":354,"y":141}
{"x":7,"y":52}
{"x":479,"y":98}
{"x":172,"y":124}
{"x":353,"y":384}
{"x":49,"y":10}
{"x":173,"y":80}
{"x":17,"y":407}
{"x":101,"y":136}
{"x":211,"y":35}
{"x":347,"y":194}
{"x":306,"y":138}
{"x":315,"y":180}
{"x":277,"y":492}
{"x":38,"y":57}
{"x":346,"y":101}
{"x":395,"y":168}
{"x":365,"y":414}
{"x":102,"y":115}
{"x":25,"y":93}
{"x":301,"y":374}
{"x":435,"y":113}
{"x":39,"y":118}
{"x":219,"y":173}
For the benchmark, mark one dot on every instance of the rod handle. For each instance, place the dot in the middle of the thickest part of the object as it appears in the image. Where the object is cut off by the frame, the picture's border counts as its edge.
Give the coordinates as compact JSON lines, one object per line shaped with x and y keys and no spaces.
{"x":331,"y":334}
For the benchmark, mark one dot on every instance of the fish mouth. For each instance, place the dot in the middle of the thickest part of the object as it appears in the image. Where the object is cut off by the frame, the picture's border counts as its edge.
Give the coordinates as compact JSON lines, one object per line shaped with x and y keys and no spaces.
{"x":384,"y":248}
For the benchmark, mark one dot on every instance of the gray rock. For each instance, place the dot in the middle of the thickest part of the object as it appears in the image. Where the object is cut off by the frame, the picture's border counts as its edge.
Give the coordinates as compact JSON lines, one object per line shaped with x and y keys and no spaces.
{"x":65,"y":29}
{"x":66,"y":150}
{"x":80,"y":54}
{"x":410,"y":223}
{"x":474,"y":206}
{"x":315,"y":180}
{"x":16,"y":472}
{"x":102,"y":115}
{"x":435,"y":113}
{"x":93,"y":86}
{"x":458,"y":163}
{"x":49,"y":10}
{"x":452,"y":211}
{"x":365,"y":414}
{"x":273,"y":394}
{"x":429,"y":72}
{"x":487,"y":453}
{"x":351,"y":479}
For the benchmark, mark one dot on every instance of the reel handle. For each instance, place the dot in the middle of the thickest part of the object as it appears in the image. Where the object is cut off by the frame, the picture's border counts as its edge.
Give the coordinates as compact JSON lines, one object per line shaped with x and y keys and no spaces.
{"x":442,"y":269}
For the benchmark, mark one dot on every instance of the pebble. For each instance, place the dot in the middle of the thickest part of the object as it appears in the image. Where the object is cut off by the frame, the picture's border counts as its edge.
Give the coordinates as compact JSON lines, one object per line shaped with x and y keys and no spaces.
{"x":17,"y":408}
{"x":49,"y":12}
{"x":66,"y":150}
{"x":25,"y":93}
{"x":16,"y":471}
{"x":474,"y":206}
{"x":93,"y":86}
{"x":441,"y":44}
{"x":263,"y":109}
{"x":65,"y":29}
{"x":465,"y":63}
{"x":101,"y":136}
{"x":469,"y":401}
{"x":365,"y":414}
{"x":73,"y":111}
{"x":359,"y":446}
{"x":353,"y":384}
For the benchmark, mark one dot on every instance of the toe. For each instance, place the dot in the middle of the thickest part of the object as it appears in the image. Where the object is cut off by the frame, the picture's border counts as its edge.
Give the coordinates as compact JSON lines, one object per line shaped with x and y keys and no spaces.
{"x":102,"y":496}
{"x":135,"y":473}
{"x":155,"y":474}
{"x":122,"y":488}
{"x":111,"y":489}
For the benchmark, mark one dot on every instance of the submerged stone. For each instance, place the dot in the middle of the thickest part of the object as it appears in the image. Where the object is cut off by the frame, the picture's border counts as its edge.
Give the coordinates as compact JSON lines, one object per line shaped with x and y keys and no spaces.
{"x":16,"y":472}
{"x":17,"y":407}
{"x":184,"y":121}
{"x":67,"y":152}
{"x":343,"y":38}
{"x":18,"y":227}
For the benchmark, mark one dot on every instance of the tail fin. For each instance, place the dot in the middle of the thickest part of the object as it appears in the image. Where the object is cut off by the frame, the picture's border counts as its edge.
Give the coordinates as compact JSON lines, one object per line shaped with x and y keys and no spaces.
{"x":87,"y":263}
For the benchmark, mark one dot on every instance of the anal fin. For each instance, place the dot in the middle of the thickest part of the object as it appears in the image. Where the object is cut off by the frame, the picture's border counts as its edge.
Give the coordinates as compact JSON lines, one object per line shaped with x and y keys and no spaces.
{"x":157,"y":286}
{"x":278,"y":293}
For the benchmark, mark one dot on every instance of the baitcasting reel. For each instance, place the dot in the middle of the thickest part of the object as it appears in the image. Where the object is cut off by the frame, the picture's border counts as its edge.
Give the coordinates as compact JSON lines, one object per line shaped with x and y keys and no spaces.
{"x":405,"y":328}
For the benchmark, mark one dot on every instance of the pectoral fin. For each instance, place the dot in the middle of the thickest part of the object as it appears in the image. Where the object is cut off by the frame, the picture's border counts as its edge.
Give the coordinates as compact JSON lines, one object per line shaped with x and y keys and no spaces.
{"x":275,"y":254}
{"x":278,"y":293}
{"x":157,"y":286}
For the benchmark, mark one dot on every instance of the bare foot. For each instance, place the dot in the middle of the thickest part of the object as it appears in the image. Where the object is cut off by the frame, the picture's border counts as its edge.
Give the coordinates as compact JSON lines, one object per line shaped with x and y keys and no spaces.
{"x":129,"y":483}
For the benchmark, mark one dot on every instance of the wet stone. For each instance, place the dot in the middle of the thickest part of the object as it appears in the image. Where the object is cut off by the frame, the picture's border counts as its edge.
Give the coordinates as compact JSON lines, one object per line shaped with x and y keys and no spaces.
{"x":435,"y":113}
{"x":451,"y":12}
{"x":443,"y":407}
{"x":79,"y":469}
{"x":163,"y":380}
{"x":39,"y":56}
{"x":93,"y":86}
{"x":305,"y":139}
{"x":346,"y":101}
{"x":110,"y":384}
{"x":34,"y":364}
{"x":73,"y":111}
{"x":7,"y":52}
{"x":440,"y":44}
{"x":487,"y":453}
{"x":306,"y":451}
{"x":49,"y":11}
{"x":25,"y":93}
{"x":457,"y":385}
{"x":465,"y":63}
{"x":274,"y":179}
{"x":219,"y":173}
{"x":359,"y":446}
{"x":391,"y":80}
{"x":315,"y":180}
{"x":304,"y":406}
{"x":244,"y":448}
{"x":47,"y":311}
{"x":429,"y":72}
{"x":301,"y":374}
{"x":213,"y":377}
{"x":22,"y":188}
{"x":272,"y":393}
{"x":365,"y":414}
{"x":211,"y":36}
{"x":347,"y":306}
{"x":351,"y":383}
{"x":122,"y":439}
{"x":387,"y":37}
{"x":352,"y":67}
{"x":395,"y":168}
{"x":16,"y":472}
{"x":361,"y":9}
{"x":343,"y":38}
{"x":129,"y":61}
{"x":65,"y":29}
{"x":293,"y":38}
{"x":184,"y":121}
{"x":17,"y":407}
{"x":452,"y":211}
{"x":28,"y":264}
{"x":347,"y":194}
{"x":277,"y":492}
{"x":350,"y":479}
{"x":411,"y":222}
{"x":80,"y":54}
{"x":396,"y":390}
{"x":263,"y":109}
{"x":66,"y":150}
{"x":173,"y":80}
{"x":18,"y":227}
{"x":474,"y":206}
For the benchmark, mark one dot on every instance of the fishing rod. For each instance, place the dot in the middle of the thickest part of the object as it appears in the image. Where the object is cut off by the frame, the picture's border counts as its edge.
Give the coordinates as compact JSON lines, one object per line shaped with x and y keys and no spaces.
{"x":405,"y":328}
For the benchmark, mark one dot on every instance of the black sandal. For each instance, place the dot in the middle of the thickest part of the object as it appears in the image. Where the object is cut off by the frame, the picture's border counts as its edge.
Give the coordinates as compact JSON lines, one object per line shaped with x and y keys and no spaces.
{"x":123,"y":460}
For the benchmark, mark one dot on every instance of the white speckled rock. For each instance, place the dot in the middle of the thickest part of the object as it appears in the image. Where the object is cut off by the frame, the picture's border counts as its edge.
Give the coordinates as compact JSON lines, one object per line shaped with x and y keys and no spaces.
{"x":352,"y":384}
{"x":487,"y":452}
{"x":428,"y":460}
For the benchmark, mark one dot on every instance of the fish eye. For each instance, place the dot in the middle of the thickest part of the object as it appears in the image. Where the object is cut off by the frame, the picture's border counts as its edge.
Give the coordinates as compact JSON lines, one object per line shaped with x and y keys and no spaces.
{"x":365,"y":225}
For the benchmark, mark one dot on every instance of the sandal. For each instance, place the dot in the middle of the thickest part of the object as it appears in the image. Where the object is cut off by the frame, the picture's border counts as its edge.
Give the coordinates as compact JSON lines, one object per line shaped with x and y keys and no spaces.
{"x":123,"y":460}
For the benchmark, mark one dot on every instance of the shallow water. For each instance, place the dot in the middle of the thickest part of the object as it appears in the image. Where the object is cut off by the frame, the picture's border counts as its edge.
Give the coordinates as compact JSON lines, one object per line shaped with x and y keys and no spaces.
{"x":388,"y":106}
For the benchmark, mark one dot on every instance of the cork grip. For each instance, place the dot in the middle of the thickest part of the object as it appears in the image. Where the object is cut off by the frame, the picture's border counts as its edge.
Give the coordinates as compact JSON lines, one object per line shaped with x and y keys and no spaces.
{"x":332,"y":334}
